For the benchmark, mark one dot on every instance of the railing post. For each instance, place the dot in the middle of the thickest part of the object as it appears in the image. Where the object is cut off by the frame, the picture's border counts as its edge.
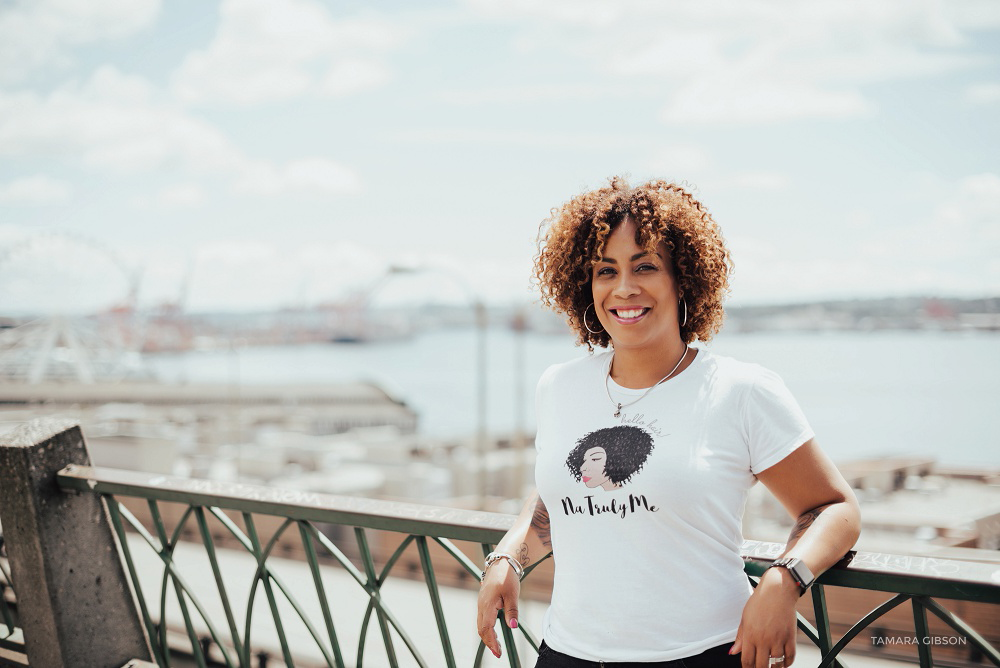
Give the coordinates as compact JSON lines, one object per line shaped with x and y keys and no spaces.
{"x":74,"y":602}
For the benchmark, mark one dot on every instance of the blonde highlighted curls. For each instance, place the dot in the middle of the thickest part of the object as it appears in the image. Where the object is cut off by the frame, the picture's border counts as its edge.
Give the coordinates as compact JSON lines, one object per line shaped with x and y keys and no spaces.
{"x":572,"y":239}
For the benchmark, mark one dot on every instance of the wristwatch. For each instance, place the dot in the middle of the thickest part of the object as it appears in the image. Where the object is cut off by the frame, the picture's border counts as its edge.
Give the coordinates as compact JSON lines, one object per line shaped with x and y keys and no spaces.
{"x":800,"y":572}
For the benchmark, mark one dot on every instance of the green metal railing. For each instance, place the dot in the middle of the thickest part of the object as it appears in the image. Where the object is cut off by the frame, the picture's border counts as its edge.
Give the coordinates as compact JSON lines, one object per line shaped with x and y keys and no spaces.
{"x":917,"y":580}
{"x":222,"y":629}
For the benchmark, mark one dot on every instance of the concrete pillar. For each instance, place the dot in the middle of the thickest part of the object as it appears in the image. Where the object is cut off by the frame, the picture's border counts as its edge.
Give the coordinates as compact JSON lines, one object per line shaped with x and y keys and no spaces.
{"x":74,"y":602}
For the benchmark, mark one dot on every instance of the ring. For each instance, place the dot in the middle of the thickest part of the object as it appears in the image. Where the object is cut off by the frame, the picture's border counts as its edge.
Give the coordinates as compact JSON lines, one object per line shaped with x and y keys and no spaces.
{"x":775,"y":660}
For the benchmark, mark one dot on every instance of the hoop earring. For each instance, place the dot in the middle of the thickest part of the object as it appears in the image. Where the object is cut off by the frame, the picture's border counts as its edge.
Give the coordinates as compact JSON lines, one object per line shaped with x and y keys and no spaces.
{"x":585,"y":321}
{"x":685,"y":320}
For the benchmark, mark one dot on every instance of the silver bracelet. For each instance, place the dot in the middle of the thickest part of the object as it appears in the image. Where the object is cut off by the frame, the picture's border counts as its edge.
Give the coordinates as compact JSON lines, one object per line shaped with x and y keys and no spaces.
{"x":494,"y":557}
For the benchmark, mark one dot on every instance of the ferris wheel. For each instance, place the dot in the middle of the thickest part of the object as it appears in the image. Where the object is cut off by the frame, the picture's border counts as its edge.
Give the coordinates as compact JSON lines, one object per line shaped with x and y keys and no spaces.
{"x":69,"y":306}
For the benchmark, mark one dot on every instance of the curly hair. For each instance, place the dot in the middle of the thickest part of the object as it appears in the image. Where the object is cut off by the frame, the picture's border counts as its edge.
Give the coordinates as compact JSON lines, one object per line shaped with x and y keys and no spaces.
{"x":572,"y":240}
{"x":626,"y":447}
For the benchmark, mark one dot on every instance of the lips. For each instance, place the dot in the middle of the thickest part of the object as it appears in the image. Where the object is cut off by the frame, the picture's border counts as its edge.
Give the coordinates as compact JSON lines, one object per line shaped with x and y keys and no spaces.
{"x":627,"y":315}
{"x":586,"y":479}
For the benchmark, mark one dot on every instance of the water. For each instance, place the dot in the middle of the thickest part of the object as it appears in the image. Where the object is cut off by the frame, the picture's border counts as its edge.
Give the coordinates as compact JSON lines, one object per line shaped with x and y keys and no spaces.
{"x":921,"y":393}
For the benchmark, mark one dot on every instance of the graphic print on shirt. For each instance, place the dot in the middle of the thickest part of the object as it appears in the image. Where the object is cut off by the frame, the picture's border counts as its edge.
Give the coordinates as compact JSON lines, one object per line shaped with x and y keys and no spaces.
{"x":608,"y":458}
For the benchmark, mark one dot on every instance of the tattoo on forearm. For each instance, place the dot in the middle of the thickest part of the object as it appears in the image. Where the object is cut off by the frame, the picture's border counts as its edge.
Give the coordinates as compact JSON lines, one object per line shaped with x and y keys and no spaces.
{"x":540,"y":523}
{"x":805,"y":521}
{"x":522,"y":555}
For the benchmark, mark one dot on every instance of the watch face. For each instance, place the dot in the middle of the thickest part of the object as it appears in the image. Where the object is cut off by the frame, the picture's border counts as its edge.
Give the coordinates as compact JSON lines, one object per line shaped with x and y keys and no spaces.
{"x":801,"y":572}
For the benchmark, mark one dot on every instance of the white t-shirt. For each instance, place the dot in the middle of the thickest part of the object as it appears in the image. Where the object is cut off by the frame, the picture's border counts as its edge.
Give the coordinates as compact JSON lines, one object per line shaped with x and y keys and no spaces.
{"x":646,"y":508}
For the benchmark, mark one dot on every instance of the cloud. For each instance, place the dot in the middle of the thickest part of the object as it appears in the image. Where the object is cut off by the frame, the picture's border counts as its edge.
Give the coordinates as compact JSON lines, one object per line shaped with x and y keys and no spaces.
{"x":761,"y":181}
{"x":122,"y":123}
{"x":56,"y":273}
{"x":952,"y":251}
{"x":967,"y":223}
{"x":527,"y":93}
{"x":983,"y":93}
{"x":244,"y":275}
{"x":35,"y":34}
{"x":111,"y":120}
{"x":732,"y":62}
{"x":728,"y":100}
{"x":181,"y":195}
{"x":39,"y":189}
{"x":266,"y":51}
{"x":530,"y":138}
{"x":354,"y":75}
{"x":572,"y":12}
{"x":315,"y":175}
{"x":238,"y":274}
{"x":686,"y":159}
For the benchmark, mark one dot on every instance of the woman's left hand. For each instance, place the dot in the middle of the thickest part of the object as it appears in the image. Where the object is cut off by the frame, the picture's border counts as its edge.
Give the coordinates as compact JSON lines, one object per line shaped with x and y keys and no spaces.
{"x":767,"y":628}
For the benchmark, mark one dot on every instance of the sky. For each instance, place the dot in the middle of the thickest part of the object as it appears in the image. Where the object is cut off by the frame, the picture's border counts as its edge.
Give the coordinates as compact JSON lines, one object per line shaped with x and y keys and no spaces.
{"x":257,"y":154}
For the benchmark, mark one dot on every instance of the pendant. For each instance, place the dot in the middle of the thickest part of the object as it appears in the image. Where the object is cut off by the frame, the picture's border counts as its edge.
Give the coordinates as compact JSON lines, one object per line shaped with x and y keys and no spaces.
{"x":618,"y":413}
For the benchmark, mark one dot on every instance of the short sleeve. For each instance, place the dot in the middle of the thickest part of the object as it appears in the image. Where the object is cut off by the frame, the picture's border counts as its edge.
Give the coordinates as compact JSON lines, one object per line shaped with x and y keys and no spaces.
{"x":775,"y":424}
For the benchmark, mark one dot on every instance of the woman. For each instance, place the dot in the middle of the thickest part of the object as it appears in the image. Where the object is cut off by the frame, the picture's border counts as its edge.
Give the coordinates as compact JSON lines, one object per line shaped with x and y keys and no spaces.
{"x":647,"y":568}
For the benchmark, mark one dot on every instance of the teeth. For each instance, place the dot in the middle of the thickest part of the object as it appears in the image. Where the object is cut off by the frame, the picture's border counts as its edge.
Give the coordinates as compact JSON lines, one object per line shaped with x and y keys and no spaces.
{"x":630,"y":313}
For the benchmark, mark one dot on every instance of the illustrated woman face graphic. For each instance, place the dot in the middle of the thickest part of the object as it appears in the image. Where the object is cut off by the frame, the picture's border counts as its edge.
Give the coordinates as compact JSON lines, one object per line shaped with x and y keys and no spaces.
{"x":593,"y":470}
{"x":608,"y":458}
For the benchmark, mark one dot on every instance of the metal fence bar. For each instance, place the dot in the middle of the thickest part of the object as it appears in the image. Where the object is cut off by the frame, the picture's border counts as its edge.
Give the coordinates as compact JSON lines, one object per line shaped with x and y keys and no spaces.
{"x":393,"y":622}
{"x":341,"y":558}
{"x":164,"y":547}
{"x":374,"y":590}
{"x":470,"y":567}
{"x":824,"y":638}
{"x":305,"y":530}
{"x":813,"y":635}
{"x":167,"y":554}
{"x":480,"y":653}
{"x":830,"y":657}
{"x":159,"y":636}
{"x":508,"y":640}
{"x":922,"y":632}
{"x":248,"y":545}
{"x":116,"y":520}
{"x":289,"y":596}
{"x":206,"y":537}
{"x":264,"y":577}
{"x":955,"y":622}
{"x":375,"y":604}
{"x":432,"y":590}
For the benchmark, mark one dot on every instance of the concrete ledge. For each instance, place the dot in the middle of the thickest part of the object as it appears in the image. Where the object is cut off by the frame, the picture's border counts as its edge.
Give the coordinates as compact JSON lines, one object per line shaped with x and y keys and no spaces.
{"x":74,"y":602}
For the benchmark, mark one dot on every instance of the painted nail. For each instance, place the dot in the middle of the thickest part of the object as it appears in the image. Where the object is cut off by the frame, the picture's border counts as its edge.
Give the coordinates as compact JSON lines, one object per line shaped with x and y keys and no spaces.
{"x":513,"y":623}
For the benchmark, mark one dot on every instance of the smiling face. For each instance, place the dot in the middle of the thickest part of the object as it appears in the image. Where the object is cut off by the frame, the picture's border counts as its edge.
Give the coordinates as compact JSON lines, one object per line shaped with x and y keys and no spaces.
{"x":635,"y":296}
{"x":593,"y":468}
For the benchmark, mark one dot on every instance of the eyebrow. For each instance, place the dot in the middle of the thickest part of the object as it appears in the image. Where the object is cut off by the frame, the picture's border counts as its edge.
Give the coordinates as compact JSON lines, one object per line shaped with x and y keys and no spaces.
{"x":631,"y":259}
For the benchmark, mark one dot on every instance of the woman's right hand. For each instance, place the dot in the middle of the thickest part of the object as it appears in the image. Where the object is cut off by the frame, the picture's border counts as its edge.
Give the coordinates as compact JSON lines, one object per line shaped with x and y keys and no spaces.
{"x":498,"y":591}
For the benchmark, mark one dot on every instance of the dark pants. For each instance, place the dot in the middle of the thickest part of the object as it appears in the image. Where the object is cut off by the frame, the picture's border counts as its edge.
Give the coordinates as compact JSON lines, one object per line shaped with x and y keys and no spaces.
{"x":716,"y":657}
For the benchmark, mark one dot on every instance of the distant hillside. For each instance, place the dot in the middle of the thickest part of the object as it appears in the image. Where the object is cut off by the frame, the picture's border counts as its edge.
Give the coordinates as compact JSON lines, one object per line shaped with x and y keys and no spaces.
{"x":870,"y":314}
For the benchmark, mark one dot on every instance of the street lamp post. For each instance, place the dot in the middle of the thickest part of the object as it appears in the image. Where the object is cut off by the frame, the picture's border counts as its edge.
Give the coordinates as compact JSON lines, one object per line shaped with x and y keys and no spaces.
{"x":480,"y":381}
